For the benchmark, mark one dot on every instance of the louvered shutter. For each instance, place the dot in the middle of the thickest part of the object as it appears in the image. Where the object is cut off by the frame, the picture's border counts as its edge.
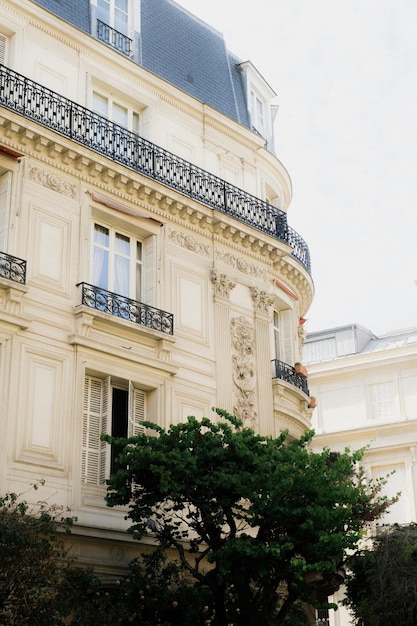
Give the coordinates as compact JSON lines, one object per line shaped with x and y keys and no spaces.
{"x":137,"y":406}
{"x":3,"y":49}
{"x":95,"y":422}
{"x":149,"y":270}
{"x":5,"y":187}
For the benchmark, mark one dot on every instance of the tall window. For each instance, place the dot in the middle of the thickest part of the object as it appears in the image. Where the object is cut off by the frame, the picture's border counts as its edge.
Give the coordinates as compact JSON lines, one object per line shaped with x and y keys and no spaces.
{"x":5,"y":194}
{"x":116,"y":111}
{"x":277,"y":338}
{"x":257,"y":113}
{"x":118,"y":410}
{"x":114,"y":13}
{"x":117,"y":262}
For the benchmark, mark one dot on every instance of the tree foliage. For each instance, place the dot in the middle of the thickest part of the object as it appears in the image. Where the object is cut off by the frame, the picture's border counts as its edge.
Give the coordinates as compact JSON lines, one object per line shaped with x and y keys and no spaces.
{"x":262,"y":523}
{"x":39,"y":584}
{"x":382,"y":583}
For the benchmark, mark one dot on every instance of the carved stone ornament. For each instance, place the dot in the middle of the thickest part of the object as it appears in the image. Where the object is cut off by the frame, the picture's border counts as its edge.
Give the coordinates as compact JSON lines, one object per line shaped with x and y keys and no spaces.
{"x":238,"y":263}
{"x":302,"y":334}
{"x":262,"y":300}
{"x":53,"y":182}
{"x":222,"y":284}
{"x":243,"y":370}
{"x":188,"y":242}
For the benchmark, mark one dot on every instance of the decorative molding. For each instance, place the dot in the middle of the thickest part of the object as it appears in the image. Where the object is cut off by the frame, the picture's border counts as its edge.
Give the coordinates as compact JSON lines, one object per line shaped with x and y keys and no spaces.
{"x":243,"y":374}
{"x":262,"y":300}
{"x":238,"y":263}
{"x":223,"y":285}
{"x":188,"y":242}
{"x":53,"y":182}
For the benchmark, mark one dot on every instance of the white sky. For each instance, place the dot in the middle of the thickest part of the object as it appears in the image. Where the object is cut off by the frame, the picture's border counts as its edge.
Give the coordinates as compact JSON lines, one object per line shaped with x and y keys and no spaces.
{"x":346,"y":76}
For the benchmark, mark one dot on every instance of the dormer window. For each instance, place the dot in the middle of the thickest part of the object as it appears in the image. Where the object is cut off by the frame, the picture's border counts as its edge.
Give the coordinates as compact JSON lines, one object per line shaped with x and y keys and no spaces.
{"x":259,"y":96}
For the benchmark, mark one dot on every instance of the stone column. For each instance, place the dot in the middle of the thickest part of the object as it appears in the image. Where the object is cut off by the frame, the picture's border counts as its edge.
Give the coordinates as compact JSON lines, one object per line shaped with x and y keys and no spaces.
{"x":263,"y":302}
{"x":223,"y":285}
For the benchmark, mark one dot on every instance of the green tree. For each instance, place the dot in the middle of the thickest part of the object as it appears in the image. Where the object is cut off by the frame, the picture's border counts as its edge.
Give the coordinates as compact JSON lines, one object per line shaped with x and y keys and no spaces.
{"x":39,"y":584}
{"x":262,"y":523}
{"x":381,"y":586}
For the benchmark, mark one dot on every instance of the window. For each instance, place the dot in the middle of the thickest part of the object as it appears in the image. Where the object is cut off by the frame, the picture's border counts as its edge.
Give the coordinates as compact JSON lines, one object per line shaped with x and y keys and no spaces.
{"x":282,"y":344}
{"x":117,"y":262}
{"x":277,"y":340}
{"x":382,"y":400}
{"x":114,"y":13}
{"x":257,"y":113}
{"x":5,"y":193}
{"x":116,"y":111}
{"x":112,"y":408}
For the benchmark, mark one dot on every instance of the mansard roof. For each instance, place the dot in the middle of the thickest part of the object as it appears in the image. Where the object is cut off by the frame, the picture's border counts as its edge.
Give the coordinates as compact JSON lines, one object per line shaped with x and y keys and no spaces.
{"x":181,"y":49}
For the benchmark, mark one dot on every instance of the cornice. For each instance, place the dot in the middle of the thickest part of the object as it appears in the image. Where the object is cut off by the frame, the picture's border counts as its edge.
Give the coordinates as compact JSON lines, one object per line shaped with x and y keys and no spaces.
{"x":99,"y":172}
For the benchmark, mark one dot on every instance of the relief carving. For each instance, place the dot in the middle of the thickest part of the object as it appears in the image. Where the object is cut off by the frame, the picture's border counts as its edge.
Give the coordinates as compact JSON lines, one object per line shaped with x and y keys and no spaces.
{"x":223,"y":285}
{"x":238,"y":263}
{"x":188,"y":242}
{"x":243,"y":370}
{"x":53,"y":182}
{"x":262,"y":300}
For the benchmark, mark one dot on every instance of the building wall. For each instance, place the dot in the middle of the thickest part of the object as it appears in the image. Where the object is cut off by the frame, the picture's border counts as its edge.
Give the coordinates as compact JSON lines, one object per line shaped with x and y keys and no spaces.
{"x":366,"y":391}
{"x":61,"y":360}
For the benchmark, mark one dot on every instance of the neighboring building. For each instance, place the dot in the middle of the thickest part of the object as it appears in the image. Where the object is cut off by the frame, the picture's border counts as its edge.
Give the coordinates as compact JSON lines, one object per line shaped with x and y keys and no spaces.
{"x":147,"y":268}
{"x":366,"y":392}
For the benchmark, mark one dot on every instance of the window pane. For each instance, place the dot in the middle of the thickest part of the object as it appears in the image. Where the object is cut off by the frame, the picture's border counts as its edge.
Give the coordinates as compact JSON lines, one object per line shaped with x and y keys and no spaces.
{"x":103,"y":11}
{"x":122,"y":244}
{"x":101,"y":235}
{"x":100,"y":268}
{"x":120,"y":115}
{"x":121,"y":276}
{"x":100,"y":104}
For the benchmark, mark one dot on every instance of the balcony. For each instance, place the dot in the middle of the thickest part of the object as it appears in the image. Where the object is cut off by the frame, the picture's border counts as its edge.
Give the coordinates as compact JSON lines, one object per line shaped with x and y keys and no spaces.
{"x":71,"y":120}
{"x":126,"y":309}
{"x":114,"y":38}
{"x":12,"y":268}
{"x":287,"y":373}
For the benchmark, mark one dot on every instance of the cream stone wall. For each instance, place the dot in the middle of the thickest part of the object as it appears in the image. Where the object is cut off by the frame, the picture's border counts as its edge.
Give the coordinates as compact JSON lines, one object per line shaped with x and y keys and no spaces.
{"x":220,"y":278}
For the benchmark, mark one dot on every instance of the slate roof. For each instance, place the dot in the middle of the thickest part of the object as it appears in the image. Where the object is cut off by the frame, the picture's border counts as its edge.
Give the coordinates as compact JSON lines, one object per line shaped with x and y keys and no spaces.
{"x":181,"y":49}
{"x":76,"y":12}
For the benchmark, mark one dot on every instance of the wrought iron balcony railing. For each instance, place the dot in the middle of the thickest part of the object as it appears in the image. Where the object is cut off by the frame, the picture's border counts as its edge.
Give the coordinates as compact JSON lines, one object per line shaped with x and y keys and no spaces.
{"x":74,"y":121}
{"x":114,"y":38}
{"x":127,"y":309}
{"x":12,"y":268}
{"x":286,"y":372}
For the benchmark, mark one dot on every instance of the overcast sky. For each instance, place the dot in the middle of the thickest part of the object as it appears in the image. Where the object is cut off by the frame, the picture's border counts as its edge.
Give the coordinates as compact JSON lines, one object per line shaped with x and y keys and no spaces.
{"x":345,"y":72}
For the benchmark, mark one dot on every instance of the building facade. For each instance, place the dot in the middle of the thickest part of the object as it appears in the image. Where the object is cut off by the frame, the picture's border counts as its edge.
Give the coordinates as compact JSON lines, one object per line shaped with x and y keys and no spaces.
{"x":366,"y":392}
{"x":147,"y":267}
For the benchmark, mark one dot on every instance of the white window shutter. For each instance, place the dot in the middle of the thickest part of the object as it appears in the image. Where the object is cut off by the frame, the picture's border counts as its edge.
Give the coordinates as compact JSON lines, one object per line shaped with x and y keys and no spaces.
{"x":137,"y":410}
{"x":149,"y":270}
{"x":95,"y":420}
{"x":5,"y":191}
{"x":3,"y":49}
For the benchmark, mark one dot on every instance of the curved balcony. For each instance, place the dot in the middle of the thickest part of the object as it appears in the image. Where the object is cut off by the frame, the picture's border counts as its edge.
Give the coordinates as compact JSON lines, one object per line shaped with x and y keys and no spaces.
{"x":291,"y":399}
{"x":286,"y":372}
{"x":63,"y":116}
